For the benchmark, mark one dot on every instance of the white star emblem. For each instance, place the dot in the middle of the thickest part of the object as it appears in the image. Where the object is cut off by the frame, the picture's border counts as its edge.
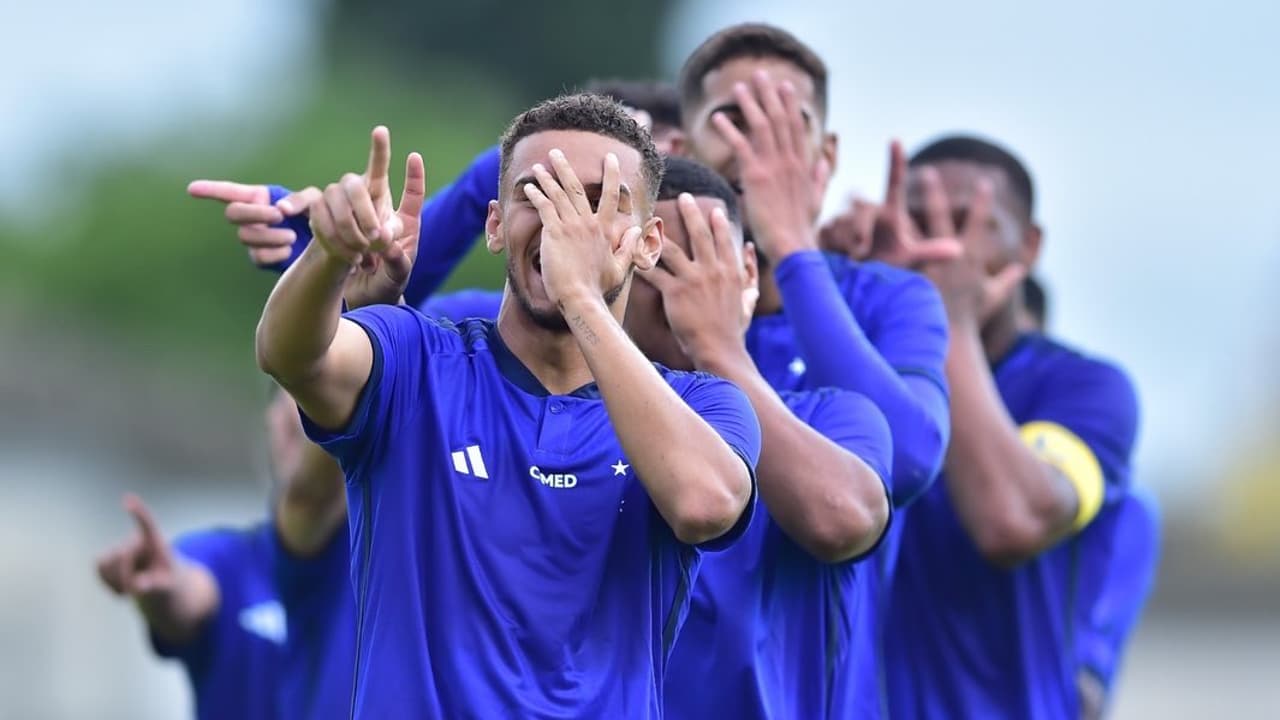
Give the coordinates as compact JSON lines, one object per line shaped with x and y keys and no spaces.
{"x":619,"y":468}
{"x":797,"y":366}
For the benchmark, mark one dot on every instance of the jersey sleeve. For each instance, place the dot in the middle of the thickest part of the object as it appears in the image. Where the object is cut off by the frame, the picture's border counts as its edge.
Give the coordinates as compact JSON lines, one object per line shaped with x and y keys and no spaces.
{"x":728,"y":411}
{"x":464,"y":304}
{"x":854,"y":423}
{"x":403,"y":342}
{"x":213,"y":550}
{"x":897,"y":359}
{"x":1085,"y":425}
{"x":451,"y":222}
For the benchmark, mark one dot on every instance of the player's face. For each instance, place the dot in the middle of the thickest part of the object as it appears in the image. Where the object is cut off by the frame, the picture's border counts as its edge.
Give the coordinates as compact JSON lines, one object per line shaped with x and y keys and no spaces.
{"x":1002,"y":241}
{"x":646,"y":319}
{"x":514,"y":224}
{"x":705,"y":144}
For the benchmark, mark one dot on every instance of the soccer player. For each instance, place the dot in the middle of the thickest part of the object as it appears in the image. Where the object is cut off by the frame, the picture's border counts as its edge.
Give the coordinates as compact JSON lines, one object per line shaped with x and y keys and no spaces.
{"x":528,"y":498}
{"x":984,"y":608}
{"x":778,"y":625}
{"x":262,"y":618}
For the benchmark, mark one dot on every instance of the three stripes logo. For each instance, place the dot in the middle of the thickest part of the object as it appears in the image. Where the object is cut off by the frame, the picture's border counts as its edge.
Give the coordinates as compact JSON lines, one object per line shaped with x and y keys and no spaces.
{"x":469,"y":462}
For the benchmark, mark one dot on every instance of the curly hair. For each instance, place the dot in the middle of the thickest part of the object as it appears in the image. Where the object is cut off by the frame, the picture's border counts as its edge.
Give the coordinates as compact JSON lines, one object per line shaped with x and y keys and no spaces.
{"x":588,"y":113}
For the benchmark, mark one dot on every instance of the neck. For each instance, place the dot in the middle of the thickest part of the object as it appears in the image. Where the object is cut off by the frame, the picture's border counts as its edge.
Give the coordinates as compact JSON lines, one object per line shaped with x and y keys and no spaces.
{"x":553,"y":357}
{"x":770,"y":301}
{"x":1001,"y":331}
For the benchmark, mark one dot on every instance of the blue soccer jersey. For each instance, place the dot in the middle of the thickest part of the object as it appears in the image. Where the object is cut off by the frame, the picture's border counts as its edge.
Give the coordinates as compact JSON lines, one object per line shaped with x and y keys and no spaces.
{"x":318,"y":658}
{"x":1125,"y":538}
{"x":463,"y":305}
{"x":968,"y":639}
{"x":233,"y":662}
{"x":507,"y":561}
{"x":773,"y":632}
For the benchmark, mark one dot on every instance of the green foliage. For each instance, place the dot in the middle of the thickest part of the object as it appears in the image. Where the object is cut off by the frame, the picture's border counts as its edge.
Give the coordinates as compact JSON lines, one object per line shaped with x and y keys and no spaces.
{"x":140,"y":262}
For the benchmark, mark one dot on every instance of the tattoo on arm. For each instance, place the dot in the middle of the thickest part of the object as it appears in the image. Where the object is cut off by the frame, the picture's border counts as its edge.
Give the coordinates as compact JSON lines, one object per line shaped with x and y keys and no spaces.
{"x":580,"y":324}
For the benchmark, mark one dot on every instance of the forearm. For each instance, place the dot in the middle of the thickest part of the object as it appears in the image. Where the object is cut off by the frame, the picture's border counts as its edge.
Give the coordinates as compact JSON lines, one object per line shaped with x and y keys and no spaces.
{"x":837,"y":353}
{"x":175,"y":616}
{"x":301,"y":316}
{"x":1012,"y":504}
{"x":311,"y":504}
{"x":823,"y":497}
{"x":696,"y":481}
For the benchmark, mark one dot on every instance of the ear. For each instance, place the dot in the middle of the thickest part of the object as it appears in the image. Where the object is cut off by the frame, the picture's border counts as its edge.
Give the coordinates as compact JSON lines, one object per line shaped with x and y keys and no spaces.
{"x":493,"y":229}
{"x":751,"y":286}
{"x":1032,"y":240}
{"x":830,"y":149}
{"x":676,"y":143}
{"x":649,"y":249}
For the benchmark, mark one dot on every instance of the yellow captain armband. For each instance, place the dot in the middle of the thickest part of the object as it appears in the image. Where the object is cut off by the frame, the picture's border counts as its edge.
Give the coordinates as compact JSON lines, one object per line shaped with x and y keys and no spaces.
{"x":1061,"y":448}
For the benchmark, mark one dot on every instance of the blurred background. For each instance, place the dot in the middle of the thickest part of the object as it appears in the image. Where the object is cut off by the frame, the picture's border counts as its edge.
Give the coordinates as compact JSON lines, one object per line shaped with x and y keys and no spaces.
{"x":127,"y":310}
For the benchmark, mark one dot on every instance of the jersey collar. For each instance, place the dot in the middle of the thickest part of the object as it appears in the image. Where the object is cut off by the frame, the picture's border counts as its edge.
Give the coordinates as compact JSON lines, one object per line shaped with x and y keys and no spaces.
{"x":520,"y":376}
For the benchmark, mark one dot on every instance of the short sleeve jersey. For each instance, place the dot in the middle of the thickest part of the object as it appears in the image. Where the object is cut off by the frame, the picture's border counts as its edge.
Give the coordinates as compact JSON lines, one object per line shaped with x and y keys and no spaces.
{"x":506,"y":559}
{"x":774,"y":632}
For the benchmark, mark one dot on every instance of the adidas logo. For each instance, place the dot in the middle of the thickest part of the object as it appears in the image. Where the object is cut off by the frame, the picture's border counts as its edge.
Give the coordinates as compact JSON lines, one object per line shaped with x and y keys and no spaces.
{"x":472,"y":454}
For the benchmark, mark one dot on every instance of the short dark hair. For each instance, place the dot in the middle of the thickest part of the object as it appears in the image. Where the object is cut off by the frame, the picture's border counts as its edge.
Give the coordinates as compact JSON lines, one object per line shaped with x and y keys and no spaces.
{"x":587,"y":113}
{"x":969,"y":148}
{"x":690,"y":176}
{"x":659,"y":99}
{"x":750,"y":40}
{"x":1035,"y":299}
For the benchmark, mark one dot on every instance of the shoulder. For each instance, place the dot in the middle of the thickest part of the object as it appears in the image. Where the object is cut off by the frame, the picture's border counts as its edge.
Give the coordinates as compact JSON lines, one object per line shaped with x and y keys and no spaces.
{"x":406,"y":327}
{"x":1074,"y":373}
{"x":463,"y":304}
{"x":219,"y":547}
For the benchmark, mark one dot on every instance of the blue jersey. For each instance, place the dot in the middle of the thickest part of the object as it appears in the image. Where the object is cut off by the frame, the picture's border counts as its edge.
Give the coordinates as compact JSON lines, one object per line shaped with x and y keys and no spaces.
{"x":319,"y":654}
{"x":463,"y":305}
{"x":773,"y":632}
{"x":508,"y":563}
{"x":968,"y":639}
{"x":1125,"y":540}
{"x":233,"y":662}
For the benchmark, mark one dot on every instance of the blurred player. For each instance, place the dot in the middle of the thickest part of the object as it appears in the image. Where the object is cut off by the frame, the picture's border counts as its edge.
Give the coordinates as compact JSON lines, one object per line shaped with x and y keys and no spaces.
{"x":528,"y":497}
{"x":984,"y":607}
{"x":778,"y":620}
{"x":654,"y":104}
{"x":262,"y":618}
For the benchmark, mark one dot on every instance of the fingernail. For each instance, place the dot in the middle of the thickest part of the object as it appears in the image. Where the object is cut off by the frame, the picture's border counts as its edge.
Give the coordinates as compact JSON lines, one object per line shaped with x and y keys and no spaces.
{"x":539,"y":167}
{"x":555,"y":153}
{"x":373,"y":234}
{"x":285,"y":207}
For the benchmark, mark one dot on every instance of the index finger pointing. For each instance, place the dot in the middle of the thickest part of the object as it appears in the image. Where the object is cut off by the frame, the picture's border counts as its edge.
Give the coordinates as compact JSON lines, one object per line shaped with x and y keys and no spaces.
{"x":379,"y":168}
{"x":142,"y":516}
{"x":610,"y":189}
{"x":228,"y":192}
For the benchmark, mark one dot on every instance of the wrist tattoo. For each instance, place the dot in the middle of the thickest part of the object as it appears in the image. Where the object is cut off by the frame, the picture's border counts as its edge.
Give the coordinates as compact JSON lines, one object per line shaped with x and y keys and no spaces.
{"x":579,"y":323}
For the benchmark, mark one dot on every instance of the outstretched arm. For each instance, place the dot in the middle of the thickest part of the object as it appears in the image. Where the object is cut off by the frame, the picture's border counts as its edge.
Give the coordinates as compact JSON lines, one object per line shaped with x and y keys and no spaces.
{"x":323,"y":360}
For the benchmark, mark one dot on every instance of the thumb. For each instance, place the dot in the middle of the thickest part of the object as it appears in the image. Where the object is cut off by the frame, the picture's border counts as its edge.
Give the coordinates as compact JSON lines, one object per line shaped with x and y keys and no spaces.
{"x":1001,"y":286}
{"x":298,"y":201}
